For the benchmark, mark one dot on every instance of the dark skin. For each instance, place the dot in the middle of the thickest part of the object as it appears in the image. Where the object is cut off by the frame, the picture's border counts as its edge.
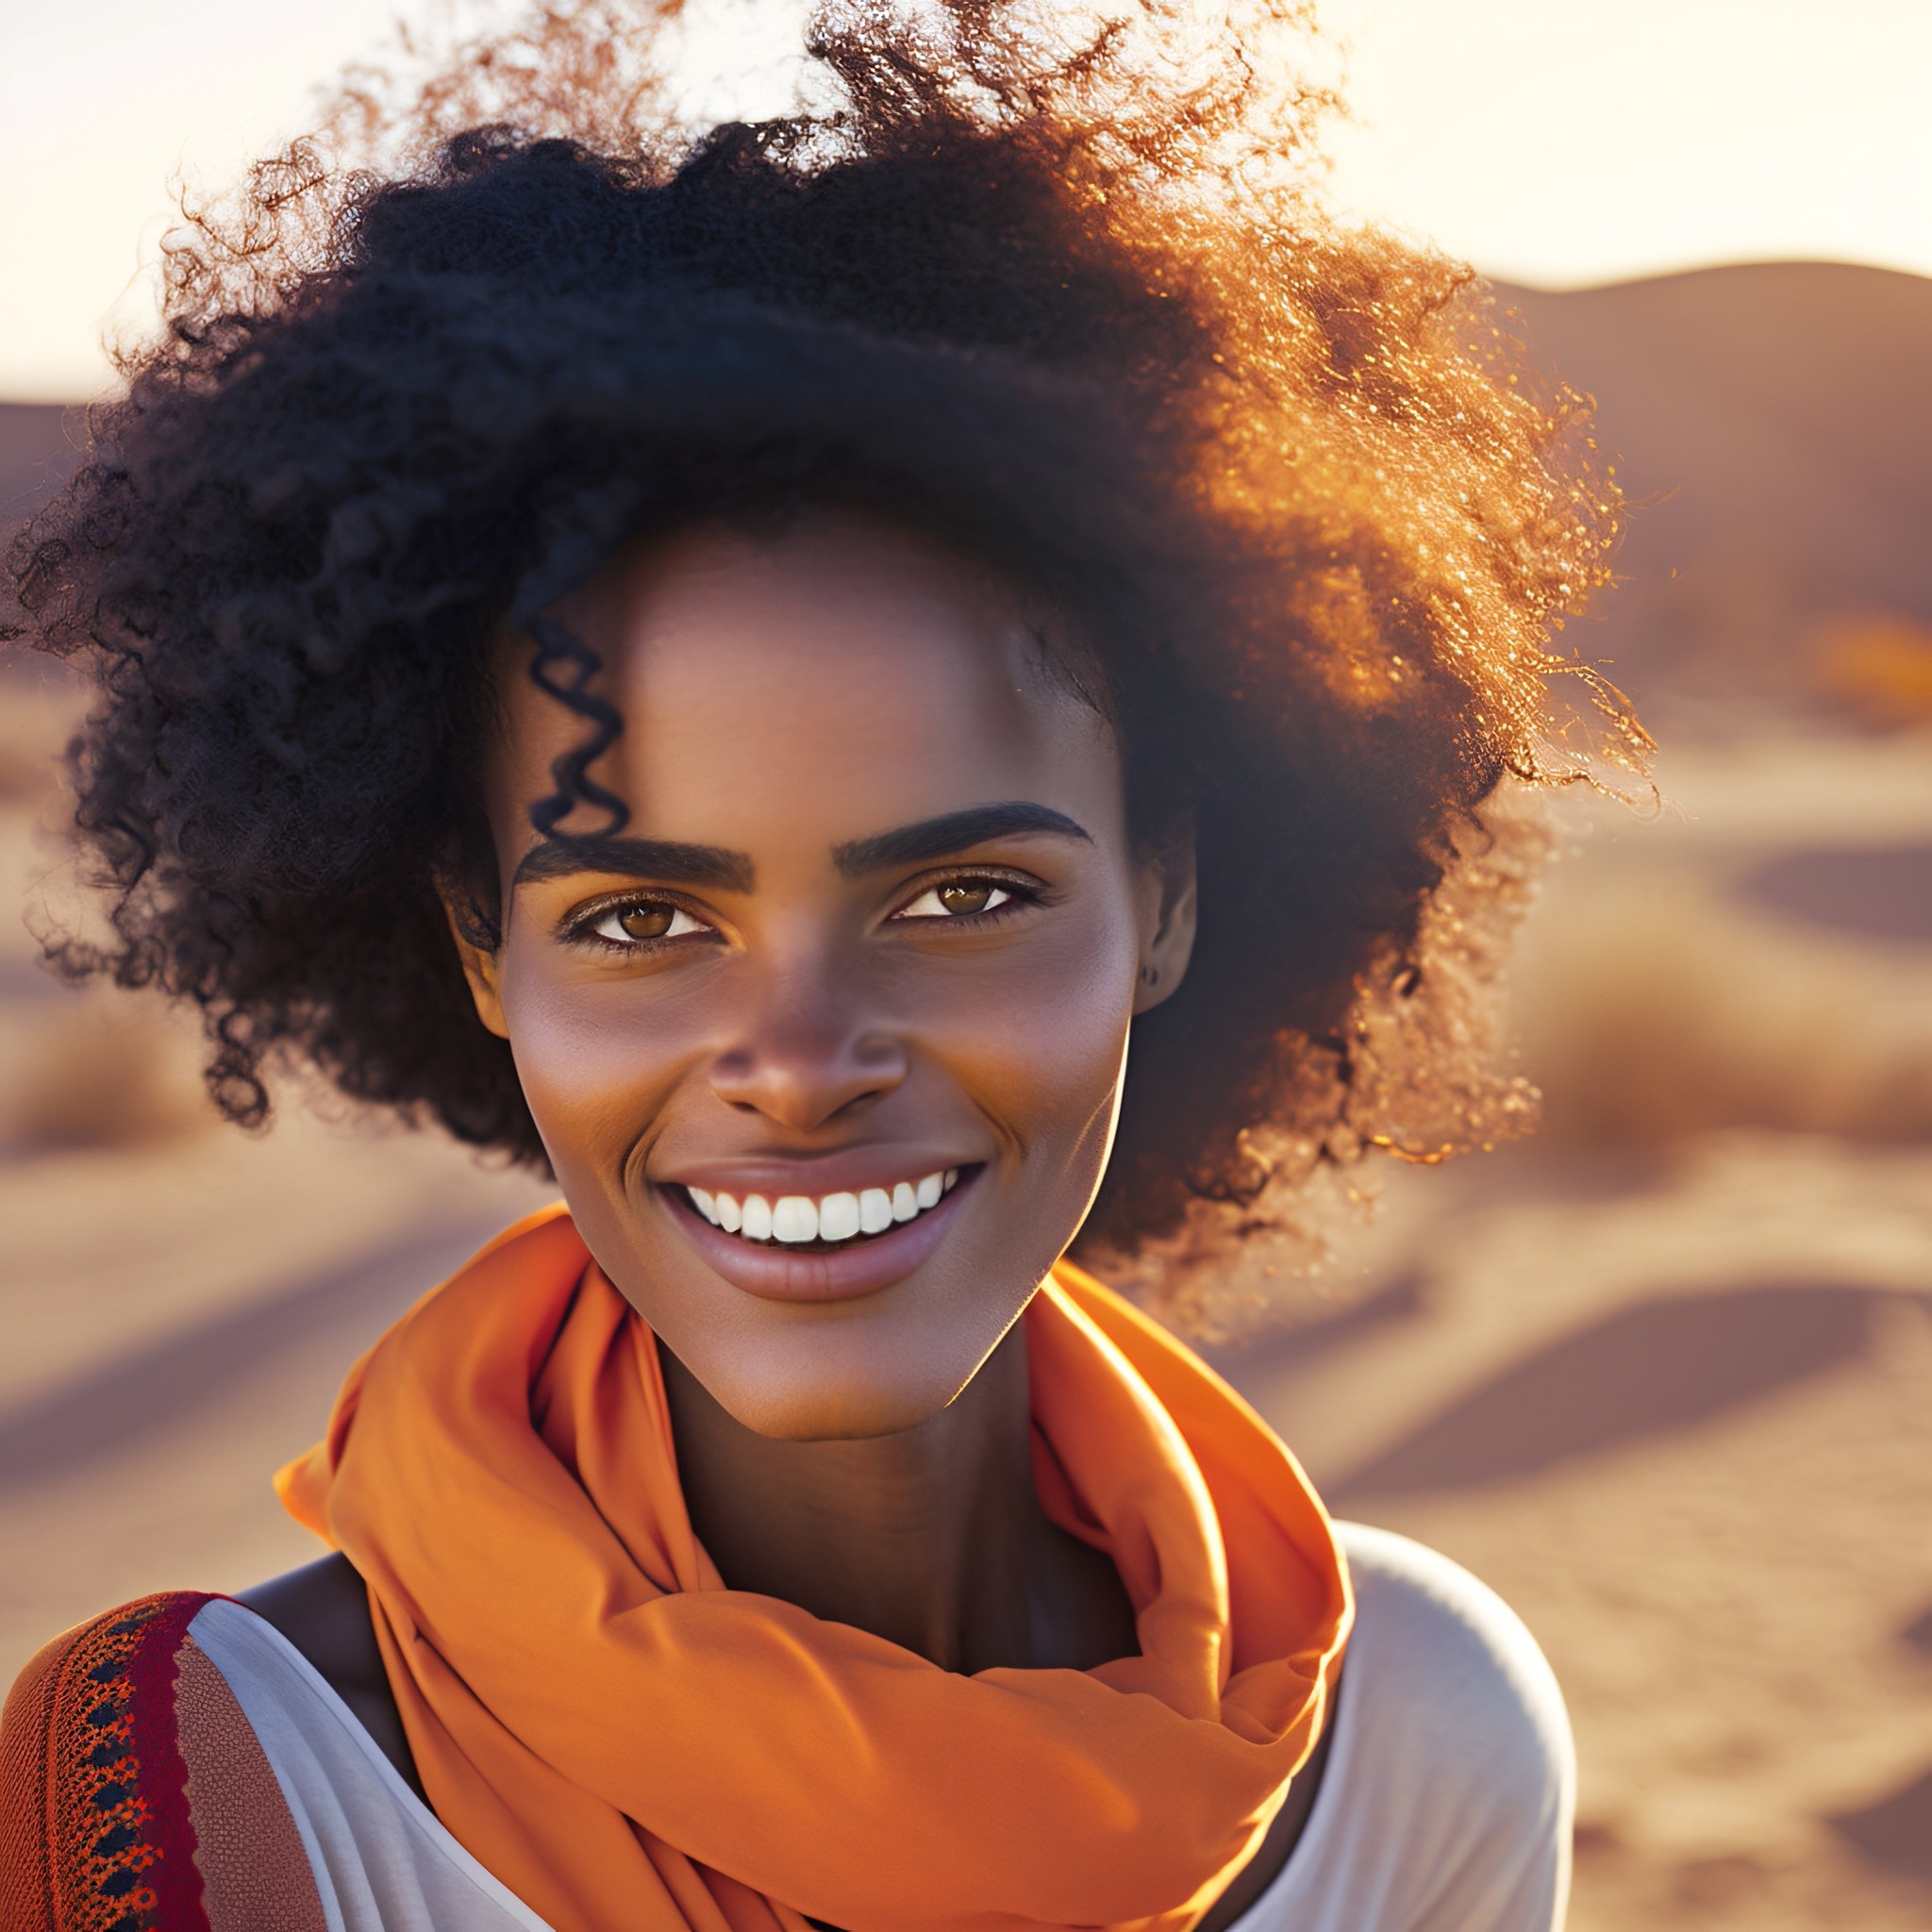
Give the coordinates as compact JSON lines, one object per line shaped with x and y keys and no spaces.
{"x":875,"y":917}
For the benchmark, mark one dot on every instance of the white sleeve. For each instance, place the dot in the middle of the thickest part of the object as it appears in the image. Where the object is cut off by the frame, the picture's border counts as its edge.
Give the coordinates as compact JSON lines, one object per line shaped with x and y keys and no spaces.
{"x":1450,"y":1789}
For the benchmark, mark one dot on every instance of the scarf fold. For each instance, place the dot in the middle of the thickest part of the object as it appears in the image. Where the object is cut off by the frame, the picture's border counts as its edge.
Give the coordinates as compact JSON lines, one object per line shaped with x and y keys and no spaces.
{"x":627,"y":1744}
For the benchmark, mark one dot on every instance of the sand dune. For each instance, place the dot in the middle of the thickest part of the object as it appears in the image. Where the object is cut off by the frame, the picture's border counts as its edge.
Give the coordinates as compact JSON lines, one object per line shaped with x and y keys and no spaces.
{"x":1771,"y":423}
{"x":1663,"y":1376}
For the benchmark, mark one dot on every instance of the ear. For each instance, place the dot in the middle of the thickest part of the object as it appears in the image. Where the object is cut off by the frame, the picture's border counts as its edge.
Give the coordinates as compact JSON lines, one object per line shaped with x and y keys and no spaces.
{"x":480,"y":958}
{"x":1168,"y":905}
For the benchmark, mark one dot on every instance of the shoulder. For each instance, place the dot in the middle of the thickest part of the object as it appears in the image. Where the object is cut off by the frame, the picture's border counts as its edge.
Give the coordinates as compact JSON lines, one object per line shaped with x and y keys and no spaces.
{"x":133,"y":1791}
{"x":1453,"y":1737}
{"x":95,"y":1789}
{"x":1457,"y":1659}
{"x":322,"y":1609}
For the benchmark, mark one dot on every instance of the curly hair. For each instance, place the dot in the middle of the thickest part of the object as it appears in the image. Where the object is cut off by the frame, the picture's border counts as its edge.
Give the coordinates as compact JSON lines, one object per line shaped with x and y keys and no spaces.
{"x":1072,"y":304}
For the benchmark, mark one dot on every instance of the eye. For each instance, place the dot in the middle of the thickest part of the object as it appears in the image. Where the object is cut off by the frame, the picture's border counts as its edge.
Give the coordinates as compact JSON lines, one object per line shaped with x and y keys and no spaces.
{"x":958,"y":899}
{"x":643,"y":920}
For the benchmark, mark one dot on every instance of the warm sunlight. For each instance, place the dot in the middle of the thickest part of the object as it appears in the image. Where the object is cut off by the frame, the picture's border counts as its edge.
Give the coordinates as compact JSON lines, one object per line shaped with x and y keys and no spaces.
{"x":1554,"y":146}
{"x":1601,"y":139}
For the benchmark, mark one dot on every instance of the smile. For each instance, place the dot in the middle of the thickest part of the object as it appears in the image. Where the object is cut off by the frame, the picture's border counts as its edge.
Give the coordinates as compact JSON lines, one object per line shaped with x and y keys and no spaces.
{"x":826,"y":1219}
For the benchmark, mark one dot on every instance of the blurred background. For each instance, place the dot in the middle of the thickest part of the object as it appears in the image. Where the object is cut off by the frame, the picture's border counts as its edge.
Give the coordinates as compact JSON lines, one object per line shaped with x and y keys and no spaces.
{"x":1663,"y":1375}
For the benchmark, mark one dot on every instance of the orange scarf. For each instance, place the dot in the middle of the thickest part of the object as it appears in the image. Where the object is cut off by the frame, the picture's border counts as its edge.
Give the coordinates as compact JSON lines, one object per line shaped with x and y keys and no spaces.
{"x":627,"y":1744}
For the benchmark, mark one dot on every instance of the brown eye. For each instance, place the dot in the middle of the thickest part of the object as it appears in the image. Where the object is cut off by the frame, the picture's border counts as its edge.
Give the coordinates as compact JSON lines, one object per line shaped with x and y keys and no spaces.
{"x":958,"y":899}
{"x":644,"y":920}
{"x":967,"y":895}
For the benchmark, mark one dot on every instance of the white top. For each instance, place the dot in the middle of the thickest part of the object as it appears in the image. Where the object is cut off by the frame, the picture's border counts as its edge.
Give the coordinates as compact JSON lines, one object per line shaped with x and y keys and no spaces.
{"x":1445,"y":1806}
{"x":383,"y":1861}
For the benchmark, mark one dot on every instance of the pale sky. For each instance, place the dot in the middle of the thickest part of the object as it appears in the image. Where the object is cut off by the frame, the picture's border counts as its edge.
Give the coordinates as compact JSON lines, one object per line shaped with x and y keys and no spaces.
{"x":1559,"y":142}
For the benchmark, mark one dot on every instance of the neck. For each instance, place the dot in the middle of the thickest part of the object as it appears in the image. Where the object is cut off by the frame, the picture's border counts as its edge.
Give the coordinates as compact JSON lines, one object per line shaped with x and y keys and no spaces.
{"x":933,"y":1538}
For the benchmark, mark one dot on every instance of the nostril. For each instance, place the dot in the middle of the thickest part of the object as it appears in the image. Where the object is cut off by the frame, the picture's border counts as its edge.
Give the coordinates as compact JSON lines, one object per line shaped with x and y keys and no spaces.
{"x":806,"y":1082}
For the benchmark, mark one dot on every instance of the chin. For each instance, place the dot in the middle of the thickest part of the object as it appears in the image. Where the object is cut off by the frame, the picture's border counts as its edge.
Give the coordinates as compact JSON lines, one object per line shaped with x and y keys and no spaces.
{"x":800,"y":1401}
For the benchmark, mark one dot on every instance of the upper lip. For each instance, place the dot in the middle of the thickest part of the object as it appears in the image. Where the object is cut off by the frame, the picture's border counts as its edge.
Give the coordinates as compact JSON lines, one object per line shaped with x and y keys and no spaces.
{"x":815,"y":1175}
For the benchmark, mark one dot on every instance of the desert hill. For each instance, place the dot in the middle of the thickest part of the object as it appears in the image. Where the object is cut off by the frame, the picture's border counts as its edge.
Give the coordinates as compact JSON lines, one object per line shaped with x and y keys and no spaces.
{"x":1771,"y":421}
{"x":1773,"y":424}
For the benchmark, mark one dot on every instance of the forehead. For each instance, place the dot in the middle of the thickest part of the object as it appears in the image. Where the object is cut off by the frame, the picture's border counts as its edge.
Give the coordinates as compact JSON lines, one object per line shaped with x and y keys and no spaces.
{"x":827,"y":682}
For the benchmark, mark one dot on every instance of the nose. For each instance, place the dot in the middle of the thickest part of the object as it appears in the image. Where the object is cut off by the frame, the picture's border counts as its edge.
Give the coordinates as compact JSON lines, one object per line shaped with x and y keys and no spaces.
{"x":808,"y":1058}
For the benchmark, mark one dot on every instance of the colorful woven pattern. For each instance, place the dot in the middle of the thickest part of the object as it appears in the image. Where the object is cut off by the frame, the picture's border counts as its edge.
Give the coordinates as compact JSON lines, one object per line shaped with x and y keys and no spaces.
{"x":96,"y":1835}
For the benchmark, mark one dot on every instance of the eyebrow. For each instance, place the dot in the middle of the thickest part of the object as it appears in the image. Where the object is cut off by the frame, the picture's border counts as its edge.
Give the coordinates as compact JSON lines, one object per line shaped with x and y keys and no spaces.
{"x":953,"y":832}
{"x":643,"y":858}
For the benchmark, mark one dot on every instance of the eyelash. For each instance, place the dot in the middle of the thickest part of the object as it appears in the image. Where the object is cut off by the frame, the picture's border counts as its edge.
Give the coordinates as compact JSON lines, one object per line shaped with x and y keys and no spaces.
{"x":1019,"y":893}
{"x":582,"y":928}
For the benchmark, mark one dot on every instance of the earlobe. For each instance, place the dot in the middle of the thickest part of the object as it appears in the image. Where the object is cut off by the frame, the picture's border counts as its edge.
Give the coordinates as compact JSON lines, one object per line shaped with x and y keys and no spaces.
{"x":479,"y":964}
{"x":1168,"y":925}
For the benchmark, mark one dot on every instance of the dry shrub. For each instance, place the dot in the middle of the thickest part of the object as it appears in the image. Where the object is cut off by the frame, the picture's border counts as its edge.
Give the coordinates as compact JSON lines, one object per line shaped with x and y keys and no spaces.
{"x":1876,"y":664}
{"x":39,"y":712}
{"x":96,"y":1070}
{"x":1653,"y":1008}
{"x":103,"y":1072}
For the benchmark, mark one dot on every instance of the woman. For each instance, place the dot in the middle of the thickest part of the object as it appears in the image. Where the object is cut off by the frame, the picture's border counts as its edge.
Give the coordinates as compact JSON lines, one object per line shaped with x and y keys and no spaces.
{"x":739,"y":665}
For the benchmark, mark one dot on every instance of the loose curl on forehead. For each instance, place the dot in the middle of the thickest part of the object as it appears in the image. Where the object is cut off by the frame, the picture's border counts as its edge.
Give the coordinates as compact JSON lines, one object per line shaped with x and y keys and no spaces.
{"x":1057,"y":290}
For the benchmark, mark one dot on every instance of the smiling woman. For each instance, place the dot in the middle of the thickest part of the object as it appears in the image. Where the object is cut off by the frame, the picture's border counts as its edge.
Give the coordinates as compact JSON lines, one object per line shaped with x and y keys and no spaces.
{"x":743,"y":665}
{"x":877,"y":920}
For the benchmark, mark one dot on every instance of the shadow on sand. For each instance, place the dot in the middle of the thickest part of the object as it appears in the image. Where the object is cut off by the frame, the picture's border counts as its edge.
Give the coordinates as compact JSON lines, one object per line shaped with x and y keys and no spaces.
{"x":1882,"y":894}
{"x":1896,"y":1832}
{"x":115,"y":1407}
{"x":1641,"y":1372}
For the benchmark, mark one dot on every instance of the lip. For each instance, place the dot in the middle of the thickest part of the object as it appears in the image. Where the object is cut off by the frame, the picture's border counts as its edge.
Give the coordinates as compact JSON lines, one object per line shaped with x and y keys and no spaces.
{"x":775,"y":1272}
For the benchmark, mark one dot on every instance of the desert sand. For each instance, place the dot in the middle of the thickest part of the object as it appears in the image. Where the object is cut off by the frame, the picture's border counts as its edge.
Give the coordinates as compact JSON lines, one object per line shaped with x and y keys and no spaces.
{"x":1663,"y":1375}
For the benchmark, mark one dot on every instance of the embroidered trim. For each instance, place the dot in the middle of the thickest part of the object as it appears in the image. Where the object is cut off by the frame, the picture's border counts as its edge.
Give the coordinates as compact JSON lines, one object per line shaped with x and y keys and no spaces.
{"x":122,"y":1840}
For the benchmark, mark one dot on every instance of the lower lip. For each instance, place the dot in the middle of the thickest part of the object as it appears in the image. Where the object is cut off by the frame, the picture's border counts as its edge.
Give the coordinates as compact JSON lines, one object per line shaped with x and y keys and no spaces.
{"x":776,"y":1273}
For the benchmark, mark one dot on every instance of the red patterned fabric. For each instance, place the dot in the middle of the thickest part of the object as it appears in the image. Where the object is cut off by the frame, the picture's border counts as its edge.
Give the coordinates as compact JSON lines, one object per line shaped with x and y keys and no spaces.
{"x":97,"y":1835}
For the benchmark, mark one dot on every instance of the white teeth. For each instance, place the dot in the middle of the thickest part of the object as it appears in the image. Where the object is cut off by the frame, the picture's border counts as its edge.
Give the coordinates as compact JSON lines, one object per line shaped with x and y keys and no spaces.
{"x":838,"y":1217}
{"x":796,"y":1218}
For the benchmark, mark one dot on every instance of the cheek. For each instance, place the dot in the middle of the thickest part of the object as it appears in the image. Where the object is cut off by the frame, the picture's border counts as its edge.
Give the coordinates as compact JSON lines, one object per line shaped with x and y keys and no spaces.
{"x":1037,"y":1040}
{"x":596,"y":1062}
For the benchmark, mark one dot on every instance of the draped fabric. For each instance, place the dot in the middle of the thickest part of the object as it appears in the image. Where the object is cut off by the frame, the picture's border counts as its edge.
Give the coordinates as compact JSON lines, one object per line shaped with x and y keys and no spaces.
{"x":627,"y":1743}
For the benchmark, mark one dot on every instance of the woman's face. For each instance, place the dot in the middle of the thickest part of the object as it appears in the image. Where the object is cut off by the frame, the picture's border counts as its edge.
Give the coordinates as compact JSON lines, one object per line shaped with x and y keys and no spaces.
{"x":827,"y":1046}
